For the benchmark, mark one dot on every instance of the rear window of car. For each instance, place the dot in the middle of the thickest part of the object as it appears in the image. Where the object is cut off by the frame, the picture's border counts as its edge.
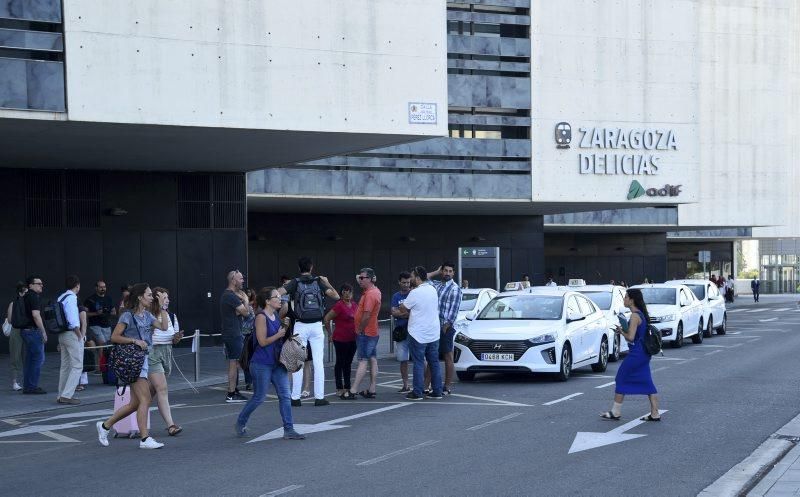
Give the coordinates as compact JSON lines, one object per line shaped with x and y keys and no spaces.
{"x":602,"y":299}
{"x":524,"y":307}
{"x":699,"y":291}
{"x":659,"y":295}
{"x":468,"y":301}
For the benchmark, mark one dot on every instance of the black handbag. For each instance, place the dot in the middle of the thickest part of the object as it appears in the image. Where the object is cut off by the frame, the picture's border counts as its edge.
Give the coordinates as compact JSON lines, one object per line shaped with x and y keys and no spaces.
{"x":247,"y":351}
{"x":399,"y":333}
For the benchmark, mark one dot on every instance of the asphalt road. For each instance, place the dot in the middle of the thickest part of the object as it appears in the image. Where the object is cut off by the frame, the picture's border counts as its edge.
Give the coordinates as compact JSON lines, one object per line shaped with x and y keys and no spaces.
{"x":501,"y":435}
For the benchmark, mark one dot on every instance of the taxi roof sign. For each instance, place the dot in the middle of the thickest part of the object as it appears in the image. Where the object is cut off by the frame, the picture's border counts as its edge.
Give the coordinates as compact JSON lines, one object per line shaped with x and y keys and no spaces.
{"x":513,"y":286}
{"x":576,"y":282}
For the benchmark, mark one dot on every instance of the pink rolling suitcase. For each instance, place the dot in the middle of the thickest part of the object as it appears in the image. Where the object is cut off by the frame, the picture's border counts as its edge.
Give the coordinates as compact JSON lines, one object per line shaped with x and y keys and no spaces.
{"x":127,"y":427}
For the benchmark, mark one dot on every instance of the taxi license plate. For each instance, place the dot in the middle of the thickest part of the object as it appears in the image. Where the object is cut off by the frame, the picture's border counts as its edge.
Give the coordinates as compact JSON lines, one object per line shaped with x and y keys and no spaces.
{"x":497,"y":357}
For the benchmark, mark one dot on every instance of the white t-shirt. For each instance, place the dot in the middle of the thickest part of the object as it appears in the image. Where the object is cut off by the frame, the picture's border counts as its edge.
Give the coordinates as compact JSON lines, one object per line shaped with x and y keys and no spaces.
{"x":423,"y":321}
{"x":163,"y":337}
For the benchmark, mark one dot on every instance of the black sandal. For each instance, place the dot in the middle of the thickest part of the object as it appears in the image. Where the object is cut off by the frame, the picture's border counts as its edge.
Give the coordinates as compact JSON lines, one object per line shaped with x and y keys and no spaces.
{"x":174,"y":430}
{"x":367,"y":394}
{"x":348,"y":395}
{"x":650,"y":417}
{"x":610,"y":416}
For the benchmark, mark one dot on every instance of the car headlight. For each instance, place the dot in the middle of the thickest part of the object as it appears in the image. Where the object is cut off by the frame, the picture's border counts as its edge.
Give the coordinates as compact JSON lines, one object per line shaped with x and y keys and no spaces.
{"x":542,"y":339}
{"x":664,"y":319}
{"x":463,"y":339}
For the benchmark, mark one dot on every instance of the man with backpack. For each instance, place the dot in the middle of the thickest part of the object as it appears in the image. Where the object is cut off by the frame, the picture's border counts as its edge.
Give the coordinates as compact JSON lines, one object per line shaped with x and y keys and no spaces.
{"x":34,"y":336}
{"x":71,"y":342}
{"x":307,"y":295}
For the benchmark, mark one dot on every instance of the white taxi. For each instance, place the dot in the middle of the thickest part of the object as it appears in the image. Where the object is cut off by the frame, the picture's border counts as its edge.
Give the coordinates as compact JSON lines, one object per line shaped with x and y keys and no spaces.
{"x":675,"y":311}
{"x":609,"y":298}
{"x":715,"y":314}
{"x":474,"y":300}
{"x":542,"y":332}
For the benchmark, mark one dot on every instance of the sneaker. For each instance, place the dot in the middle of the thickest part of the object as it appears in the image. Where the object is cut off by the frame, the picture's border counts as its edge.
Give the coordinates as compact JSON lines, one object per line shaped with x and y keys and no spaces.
{"x":305,"y":394}
{"x":320,"y":402}
{"x":427,"y":391}
{"x":296,"y":403}
{"x":413,"y":396}
{"x":434,"y":396}
{"x":16,"y":386}
{"x":150,"y":443}
{"x":35,"y":391}
{"x":241,"y":430}
{"x":102,"y":434}
{"x":65,"y":400}
{"x":292,"y":435}
{"x":404,"y":390}
{"x":446,"y":391}
{"x":235,"y":398}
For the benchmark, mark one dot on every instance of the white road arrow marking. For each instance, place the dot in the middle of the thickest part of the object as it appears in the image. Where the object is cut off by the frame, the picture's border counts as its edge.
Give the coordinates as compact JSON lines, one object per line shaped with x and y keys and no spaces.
{"x":325,"y":425}
{"x":585,"y":440}
{"x":767,"y":320}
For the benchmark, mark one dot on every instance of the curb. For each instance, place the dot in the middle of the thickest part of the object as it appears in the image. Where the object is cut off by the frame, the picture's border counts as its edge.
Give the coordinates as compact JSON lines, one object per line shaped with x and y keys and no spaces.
{"x":754,"y":471}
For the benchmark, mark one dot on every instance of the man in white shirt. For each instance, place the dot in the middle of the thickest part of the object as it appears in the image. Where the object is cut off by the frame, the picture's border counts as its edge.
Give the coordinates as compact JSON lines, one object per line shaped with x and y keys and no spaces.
{"x":71,"y":344}
{"x":422,"y":303}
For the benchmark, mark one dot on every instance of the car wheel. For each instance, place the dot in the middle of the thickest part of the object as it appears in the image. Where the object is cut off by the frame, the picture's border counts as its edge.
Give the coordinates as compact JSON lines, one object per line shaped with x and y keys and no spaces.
{"x":710,"y":328}
{"x":566,"y":363}
{"x":465,"y":376}
{"x":602,"y":360}
{"x":698,"y":338}
{"x":678,"y":342}
{"x":614,"y":355}
{"x":724,"y":326}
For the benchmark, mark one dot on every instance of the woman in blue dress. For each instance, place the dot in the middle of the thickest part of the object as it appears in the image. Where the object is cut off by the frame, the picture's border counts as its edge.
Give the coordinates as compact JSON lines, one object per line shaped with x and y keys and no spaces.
{"x":633,"y":376}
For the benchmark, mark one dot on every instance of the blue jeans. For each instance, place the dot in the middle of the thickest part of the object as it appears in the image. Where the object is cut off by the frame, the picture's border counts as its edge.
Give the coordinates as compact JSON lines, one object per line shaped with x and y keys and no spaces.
{"x":263,"y":375}
{"x":419,"y":353}
{"x":34,"y":358}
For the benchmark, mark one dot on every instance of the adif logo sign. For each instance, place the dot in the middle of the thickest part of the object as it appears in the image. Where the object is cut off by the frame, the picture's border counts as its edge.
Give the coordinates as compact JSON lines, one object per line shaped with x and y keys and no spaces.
{"x":563,"y":135}
{"x":636,"y":190}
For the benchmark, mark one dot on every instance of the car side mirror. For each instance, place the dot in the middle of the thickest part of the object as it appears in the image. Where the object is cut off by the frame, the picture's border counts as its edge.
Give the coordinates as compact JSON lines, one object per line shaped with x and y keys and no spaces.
{"x":471,"y":315}
{"x":574,"y":316}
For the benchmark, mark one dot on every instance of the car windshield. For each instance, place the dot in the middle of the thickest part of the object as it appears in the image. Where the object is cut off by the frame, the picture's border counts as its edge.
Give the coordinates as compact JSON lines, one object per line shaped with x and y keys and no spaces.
{"x":659,"y":295}
{"x":698,"y":290}
{"x":468,"y":301}
{"x":524,"y":307}
{"x":602,"y":299}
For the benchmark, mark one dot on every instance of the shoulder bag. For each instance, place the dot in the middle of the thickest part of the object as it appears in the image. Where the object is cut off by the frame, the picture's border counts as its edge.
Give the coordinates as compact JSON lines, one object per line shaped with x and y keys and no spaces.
{"x":293,"y":354}
{"x":126,"y":360}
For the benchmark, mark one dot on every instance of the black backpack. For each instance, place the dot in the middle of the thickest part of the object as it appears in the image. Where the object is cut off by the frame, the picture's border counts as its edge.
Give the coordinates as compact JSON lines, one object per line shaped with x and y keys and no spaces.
{"x":19,"y":316}
{"x":652,"y":340}
{"x":54,"y":317}
{"x":309,"y":305}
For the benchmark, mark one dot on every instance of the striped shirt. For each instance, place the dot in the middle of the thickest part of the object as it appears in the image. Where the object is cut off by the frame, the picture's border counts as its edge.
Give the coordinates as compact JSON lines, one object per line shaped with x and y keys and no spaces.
{"x":449,"y":300}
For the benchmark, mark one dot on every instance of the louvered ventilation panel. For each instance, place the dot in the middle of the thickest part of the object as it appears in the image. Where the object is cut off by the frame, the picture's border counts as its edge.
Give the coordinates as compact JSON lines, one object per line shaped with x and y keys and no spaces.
{"x":194,"y":201}
{"x":44,"y":199}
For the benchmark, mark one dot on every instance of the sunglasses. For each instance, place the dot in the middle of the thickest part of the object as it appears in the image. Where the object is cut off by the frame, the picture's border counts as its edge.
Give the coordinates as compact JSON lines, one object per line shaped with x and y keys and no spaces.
{"x":363,"y":277}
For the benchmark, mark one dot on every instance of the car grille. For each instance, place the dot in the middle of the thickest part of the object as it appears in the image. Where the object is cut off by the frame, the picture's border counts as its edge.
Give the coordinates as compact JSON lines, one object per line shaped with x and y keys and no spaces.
{"x":517,"y":347}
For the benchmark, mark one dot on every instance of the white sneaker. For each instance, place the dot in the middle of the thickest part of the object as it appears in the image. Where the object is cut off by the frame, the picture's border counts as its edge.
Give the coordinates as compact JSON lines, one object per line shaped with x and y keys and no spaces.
{"x":150,"y":443}
{"x":102,"y":434}
{"x":16,"y":386}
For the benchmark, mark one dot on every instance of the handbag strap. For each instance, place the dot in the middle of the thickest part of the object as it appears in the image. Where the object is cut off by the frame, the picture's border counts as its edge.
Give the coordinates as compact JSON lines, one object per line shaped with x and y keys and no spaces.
{"x":133,"y":318}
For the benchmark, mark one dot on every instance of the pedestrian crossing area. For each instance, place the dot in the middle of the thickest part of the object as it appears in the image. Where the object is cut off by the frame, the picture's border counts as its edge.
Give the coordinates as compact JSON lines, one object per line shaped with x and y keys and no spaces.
{"x":764,"y":309}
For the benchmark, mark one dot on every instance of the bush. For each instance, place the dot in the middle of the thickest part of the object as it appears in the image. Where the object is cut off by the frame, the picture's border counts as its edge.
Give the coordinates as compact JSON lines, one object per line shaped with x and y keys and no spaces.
{"x":748,"y":275}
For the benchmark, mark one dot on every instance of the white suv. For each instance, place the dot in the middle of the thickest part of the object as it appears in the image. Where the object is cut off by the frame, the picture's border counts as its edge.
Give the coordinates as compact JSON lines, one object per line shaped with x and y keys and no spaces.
{"x":675,"y":311}
{"x":715,"y":315}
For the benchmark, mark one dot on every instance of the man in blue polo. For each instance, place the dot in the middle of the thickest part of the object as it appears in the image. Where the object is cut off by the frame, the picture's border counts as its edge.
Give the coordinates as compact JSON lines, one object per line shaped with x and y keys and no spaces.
{"x":449,"y":302}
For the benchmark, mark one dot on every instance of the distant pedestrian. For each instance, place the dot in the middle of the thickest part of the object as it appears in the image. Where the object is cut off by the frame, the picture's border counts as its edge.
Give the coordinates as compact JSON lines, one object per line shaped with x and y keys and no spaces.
{"x":400,"y":332}
{"x":248,"y":326}
{"x":265,"y":366}
{"x":343,"y":337}
{"x":465,"y":284}
{"x":424,"y":331}
{"x":135,"y":326}
{"x":612,"y":282}
{"x":100,"y":312}
{"x":71,"y":344}
{"x":34,"y":337}
{"x":125,"y":291}
{"x":449,"y":302}
{"x":633,"y":376}
{"x":15,"y":339}
{"x":731,"y":289}
{"x":233,"y":308}
{"x":160,"y":359}
{"x":526,"y":281}
{"x":550,"y":282}
{"x":367,"y":336}
{"x":307,"y":294}
{"x":755,"y":286}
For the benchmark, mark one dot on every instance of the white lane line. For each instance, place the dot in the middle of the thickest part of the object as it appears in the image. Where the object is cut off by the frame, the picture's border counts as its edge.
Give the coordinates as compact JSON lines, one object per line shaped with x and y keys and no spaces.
{"x":717,"y":346}
{"x":290,"y":488}
{"x":670,"y":358}
{"x":734,"y":333}
{"x":606,"y":384}
{"x":767,"y":320}
{"x":782,"y":309}
{"x":396,"y":453}
{"x":494,"y":421}
{"x":757,"y":310}
{"x":734,"y":310}
{"x":562,"y":399}
{"x":753,"y":340}
{"x":590,"y":376}
{"x":688,"y":360}
{"x":660,"y":369}
{"x":713,"y":352}
{"x":735,"y":345}
{"x":503,"y":402}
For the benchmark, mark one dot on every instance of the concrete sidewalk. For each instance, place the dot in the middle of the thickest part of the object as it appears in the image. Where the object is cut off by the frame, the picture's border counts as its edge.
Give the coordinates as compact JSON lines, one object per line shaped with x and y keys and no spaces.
{"x":213,"y":371}
{"x":783,"y":480}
